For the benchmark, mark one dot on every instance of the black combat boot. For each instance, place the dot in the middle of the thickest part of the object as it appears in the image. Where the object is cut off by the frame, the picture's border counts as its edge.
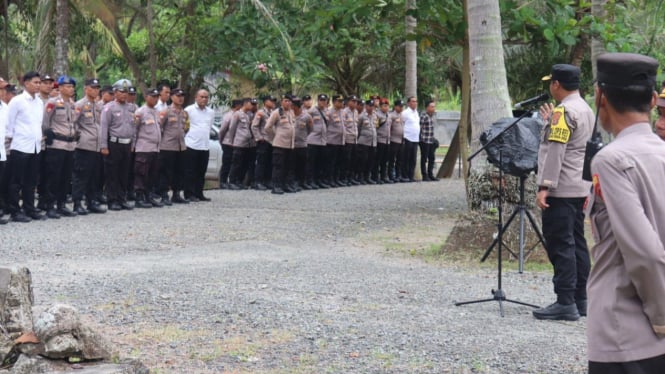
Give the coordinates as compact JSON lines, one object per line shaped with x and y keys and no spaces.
{"x":177,"y":199}
{"x":151,"y":199}
{"x":140,"y":201}
{"x":64,"y":211}
{"x":79,"y":209}
{"x":165,"y":199}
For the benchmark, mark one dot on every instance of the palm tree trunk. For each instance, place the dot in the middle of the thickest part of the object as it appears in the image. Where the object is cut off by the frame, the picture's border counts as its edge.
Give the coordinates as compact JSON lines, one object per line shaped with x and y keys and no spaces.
{"x":151,"y":46}
{"x":411,"y":80}
{"x":61,"y":37}
{"x":597,"y":45}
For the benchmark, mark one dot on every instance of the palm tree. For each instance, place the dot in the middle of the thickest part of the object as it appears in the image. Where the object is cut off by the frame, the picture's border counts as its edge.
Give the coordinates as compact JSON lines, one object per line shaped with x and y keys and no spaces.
{"x":411,"y":80}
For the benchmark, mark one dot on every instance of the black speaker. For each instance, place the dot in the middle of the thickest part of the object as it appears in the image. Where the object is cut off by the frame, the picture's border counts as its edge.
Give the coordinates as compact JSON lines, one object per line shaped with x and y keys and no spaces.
{"x":518,"y":145}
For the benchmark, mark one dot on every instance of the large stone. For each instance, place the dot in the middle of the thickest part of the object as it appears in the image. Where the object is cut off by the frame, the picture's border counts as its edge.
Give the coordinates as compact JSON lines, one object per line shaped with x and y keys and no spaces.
{"x":6,"y":345}
{"x":56,"y":320}
{"x":62,"y":346}
{"x":93,"y":345}
{"x":16,"y":300}
{"x":39,"y":365}
{"x":32,"y":365}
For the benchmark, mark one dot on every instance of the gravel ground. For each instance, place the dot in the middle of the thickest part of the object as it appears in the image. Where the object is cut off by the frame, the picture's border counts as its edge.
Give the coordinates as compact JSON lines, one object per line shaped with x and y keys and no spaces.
{"x":314,"y":282}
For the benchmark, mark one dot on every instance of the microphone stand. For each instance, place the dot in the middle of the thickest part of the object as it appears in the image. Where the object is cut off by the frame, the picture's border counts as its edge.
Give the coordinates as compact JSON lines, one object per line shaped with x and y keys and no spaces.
{"x":498,"y":294}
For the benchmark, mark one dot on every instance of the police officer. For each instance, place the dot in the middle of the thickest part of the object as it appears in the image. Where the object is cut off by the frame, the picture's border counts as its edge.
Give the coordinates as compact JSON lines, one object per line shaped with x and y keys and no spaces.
{"x":367,"y":141}
{"x":350,"y":115}
{"x":562,"y":191}
{"x":240,"y":130}
{"x":87,"y":159}
{"x":146,"y":149}
{"x":316,"y":145}
{"x":383,"y":140}
{"x":335,"y":142}
{"x":396,"y":139}
{"x":304,"y":125}
{"x":263,"y":169}
{"x":174,"y":122}
{"x":60,"y":131}
{"x":226,"y":140}
{"x":116,"y":144}
{"x":626,"y":325}
{"x":131,"y":100}
{"x":107,"y":94}
{"x":281,"y":127}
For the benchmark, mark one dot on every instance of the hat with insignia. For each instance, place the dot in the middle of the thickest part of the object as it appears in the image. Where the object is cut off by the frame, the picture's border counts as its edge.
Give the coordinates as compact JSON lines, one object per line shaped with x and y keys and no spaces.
{"x":383,"y":101}
{"x":92,"y":82}
{"x":306,"y":97}
{"x":65,"y":79}
{"x":265,"y":98}
{"x":398,"y":103}
{"x":626,"y":69}
{"x":374,"y":97}
{"x":254,"y":101}
{"x":151,"y":92}
{"x":323,"y":97}
{"x":122,"y":85}
{"x":177,"y":92}
{"x":337,"y":97}
{"x":564,"y":73}
{"x":296,"y":101}
{"x":47,"y":77}
{"x":352,"y":97}
{"x":370,"y":102}
{"x":108,"y":89}
{"x":131,"y":90}
{"x":287,"y":97}
{"x":3,"y":83}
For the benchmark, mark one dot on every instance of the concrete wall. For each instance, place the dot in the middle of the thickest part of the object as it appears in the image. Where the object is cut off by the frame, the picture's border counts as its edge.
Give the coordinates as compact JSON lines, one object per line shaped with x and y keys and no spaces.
{"x":446,"y":124}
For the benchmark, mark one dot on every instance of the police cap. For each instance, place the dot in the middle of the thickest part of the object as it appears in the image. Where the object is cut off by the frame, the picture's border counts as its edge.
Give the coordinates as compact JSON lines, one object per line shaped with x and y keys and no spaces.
{"x":352,"y":97}
{"x":177,"y":92}
{"x":564,"y":73}
{"x":122,"y":85}
{"x":254,"y":101}
{"x":296,"y":101}
{"x":626,"y":69}
{"x":661,"y":99}
{"x":47,"y":77}
{"x":369,"y":102}
{"x":337,"y":98}
{"x":323,"y":97}
{"x":306,"y":97}
{"x":398,"y":103}
{"x":106,"y":89}
{"x":151,"y":92}
{"x":93,"y":82}
{"x":131,"y":90}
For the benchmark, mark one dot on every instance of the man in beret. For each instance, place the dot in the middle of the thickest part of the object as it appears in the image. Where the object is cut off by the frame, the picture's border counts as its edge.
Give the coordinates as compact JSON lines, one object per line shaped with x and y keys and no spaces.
{"x":561,"y":192}
{"x":116,"y":142}
{"x":626,"y":325}
{"x":60,"y":131}
{"x":174,"y":122}
{"x":87,"y":159}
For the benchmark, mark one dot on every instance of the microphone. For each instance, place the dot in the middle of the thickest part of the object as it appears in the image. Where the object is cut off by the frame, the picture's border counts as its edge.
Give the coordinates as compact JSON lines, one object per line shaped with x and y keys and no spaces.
{"x":542,"y":97}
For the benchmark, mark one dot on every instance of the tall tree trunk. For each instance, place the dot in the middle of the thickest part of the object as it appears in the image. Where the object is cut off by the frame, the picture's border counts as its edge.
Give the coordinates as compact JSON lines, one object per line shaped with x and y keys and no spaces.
{"x":151,"y":46}
{"x":411,"y":81}
{"x":597,"y":44}
{"x":61,"y":37}
{"x":489,"y":92}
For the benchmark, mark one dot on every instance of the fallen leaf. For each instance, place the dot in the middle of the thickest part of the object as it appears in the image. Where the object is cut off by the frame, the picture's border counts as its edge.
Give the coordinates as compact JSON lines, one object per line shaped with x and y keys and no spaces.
{"x":354,"y":354}
{"x":28,"y":337}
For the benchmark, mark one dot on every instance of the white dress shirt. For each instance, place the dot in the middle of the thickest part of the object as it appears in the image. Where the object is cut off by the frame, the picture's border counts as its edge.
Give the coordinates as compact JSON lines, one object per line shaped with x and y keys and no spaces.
{"x":161,"y":105}
{"x":3,"y":126}
{"x":24,"y":123}
{"x":411,"y":120}
{"x":200,"y":124}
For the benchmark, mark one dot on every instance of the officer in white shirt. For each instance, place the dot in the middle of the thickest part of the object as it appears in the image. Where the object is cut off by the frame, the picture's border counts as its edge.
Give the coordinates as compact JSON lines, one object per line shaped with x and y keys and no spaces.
{"x":24,"y":127}
{"x":198,"y":149}
{"x":411,"y":138}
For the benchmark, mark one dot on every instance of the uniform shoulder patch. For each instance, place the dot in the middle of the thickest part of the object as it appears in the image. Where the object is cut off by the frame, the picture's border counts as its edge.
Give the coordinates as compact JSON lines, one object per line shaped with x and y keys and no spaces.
{"x":49,"y":107}
{"x":559,"y":129}
{"x":596,"y":186}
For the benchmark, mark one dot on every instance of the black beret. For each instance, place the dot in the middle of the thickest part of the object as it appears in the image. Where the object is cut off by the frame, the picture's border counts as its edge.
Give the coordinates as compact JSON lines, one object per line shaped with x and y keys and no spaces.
{"x":627,"y":69}
{"x":253,"y":101}
{"x":564,"y":73}
{"x":94,"y":82}
{"x":150,"y":92}
{"x":178,"y":91}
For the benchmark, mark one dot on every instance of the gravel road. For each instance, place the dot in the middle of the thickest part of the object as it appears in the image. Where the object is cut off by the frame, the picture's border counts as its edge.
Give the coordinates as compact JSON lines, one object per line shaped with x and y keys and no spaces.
{"x":314,"y":282}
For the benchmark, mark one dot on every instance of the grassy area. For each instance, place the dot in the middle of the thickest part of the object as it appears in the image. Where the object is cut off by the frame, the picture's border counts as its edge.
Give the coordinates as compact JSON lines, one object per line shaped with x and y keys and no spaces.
{"x":441,"y":151}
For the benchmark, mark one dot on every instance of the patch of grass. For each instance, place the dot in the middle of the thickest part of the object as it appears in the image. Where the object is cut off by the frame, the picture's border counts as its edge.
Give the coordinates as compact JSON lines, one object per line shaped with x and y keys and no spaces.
{"x":441,"y":151}
{"x":386,"y":358}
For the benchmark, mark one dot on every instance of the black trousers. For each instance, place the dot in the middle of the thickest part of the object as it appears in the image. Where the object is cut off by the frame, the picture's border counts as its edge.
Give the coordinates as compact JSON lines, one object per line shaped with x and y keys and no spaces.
{"x":24,"y":168}
{"x":116,"y":166}
{"x":4,"y":184}
{"x":282,"y":162}
{"x":334,"y":155}
{"x":410,"y":157}
{"x":653,"y":365}
{"x":263,"y":169}
{"x":146,"y":171}
{"x":563,"y":230}
{"x":382,"y":159}
{"x":362,"y":164}
{"x":195,"y":171}
{"x":348,"y":161}
{"x":59,"y":177}
{"x":240,"y":165}
{"x":251,"y":166}
{"x":395,"y":161}
{"x":299,"y":164}
{"x":227,"y":158}
{"x":315,"y":169}
{"x":427,"y":154}
{"x":171,"y":171}
{"x":130,"y":176}
{"x":42,"y":180}
{"x":85,"y":178}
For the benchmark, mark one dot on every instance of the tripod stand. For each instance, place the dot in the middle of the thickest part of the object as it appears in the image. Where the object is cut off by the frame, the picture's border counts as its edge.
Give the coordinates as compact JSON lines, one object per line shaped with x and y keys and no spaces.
{"x":520,"y":209}
{"x":498,"y":294}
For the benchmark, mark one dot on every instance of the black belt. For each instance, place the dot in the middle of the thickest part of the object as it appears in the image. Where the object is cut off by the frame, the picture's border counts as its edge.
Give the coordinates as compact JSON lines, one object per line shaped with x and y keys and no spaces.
{"x":63,"y":138}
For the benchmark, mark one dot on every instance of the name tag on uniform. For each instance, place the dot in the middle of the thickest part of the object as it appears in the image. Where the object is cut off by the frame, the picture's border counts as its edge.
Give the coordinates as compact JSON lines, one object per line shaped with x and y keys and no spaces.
{"x":88,"y":114}
{"x":173,"y":119}
{"x":150,"y":122}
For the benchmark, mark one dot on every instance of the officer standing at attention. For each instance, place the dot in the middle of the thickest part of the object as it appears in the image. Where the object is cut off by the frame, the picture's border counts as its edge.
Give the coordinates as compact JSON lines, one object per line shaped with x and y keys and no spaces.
{"x":562,"y":191}
{"x":335,"y":142}
{"x":24,"y":128}
{"x":87,"y":159}
{"x":395,"y":158}
{"x":348,"y":162}
{"x":626,"y":325}
{"x":240,"y":130}
{"x":59,"y":128}
{"x":303,"y":122}
{"x":116,"y":145}
{"x":281,"y":127}
{"x":366,"y":150}
{"x":263,"y":168}
{"x":146,"y":150}
{"x":315,"y":169}
{"x":383,"y":140}
{"x":174,"y":122}
{"x":197,"y":139}
{"x":226,"y":140}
